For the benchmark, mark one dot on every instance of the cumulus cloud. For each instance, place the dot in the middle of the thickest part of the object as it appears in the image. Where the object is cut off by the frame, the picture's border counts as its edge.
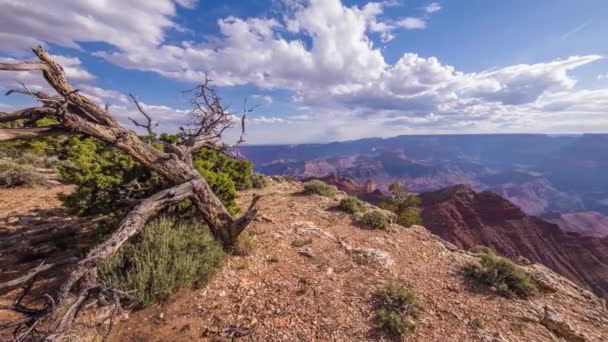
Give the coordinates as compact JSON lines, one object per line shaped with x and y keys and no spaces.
{"x":412,"y":23}
{"x":432,"y":7}
{"x":265,"y":98}
{"x":123,"y":24}
{"x":325,"y":53}
{"x":267,"y":120}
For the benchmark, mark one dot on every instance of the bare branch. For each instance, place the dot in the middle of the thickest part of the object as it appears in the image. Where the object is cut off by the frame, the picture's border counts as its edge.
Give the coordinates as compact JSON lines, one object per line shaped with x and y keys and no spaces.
{"x":209,"y":119}
{"x":31,"y":274}
{"x":28,"y":113}
{"x":23,"y":66}
{"x":9,"y":134}
{"x":239,"y":225}
{"x":149,"y":126}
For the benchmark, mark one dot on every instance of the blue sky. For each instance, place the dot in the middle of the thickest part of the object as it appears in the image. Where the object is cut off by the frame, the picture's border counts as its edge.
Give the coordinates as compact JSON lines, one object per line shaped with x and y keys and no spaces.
{"x":326,"y":70}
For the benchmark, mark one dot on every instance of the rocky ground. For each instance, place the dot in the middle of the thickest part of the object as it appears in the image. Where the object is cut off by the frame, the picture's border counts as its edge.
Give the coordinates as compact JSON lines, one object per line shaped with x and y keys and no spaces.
{"x":321,"y":291}
{"x":314,"y":270}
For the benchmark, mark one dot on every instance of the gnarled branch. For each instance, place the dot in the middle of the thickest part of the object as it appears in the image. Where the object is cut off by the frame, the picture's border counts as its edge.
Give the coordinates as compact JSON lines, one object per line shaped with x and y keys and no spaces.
{"x":9,"y":134}
{"x":23,"y":66}
{"x":149,"y":125}
{"x":35,"y":113}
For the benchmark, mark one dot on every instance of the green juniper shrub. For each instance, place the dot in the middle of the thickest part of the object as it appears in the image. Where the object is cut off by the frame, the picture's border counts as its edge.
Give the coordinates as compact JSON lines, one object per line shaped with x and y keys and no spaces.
{"x":351,"y":205}
{"x":408,"y":217}
{"x":503,"y":275}
{"x":258,"y":181}
{"x":396,"y":310}
{"x":167,"y":256}
{"x":403,"y":204}
{"x":317,"y":187}
{"x":375,"y":219}
{"x":238,"y":171}
{"x":105,"y":176}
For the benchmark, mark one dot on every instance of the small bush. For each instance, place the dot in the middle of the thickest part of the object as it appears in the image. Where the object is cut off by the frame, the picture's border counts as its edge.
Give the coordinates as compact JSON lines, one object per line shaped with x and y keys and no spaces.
{"x":503,"y":275}
{"x":396,"y":310}
{"x":351,"y":205}
{"x":274,"y":259}
{"x":316,"y":187}
{"x":479,"y":249}
{"x":408,"y":217}
{"x":479,"y":323}
{"x":246,"y":244}
{"x":13,"y":175}
{"x":301,"y":243}
{"x":166,"y":257}
{"x":258,"y":181}
{"x":375,"y":220}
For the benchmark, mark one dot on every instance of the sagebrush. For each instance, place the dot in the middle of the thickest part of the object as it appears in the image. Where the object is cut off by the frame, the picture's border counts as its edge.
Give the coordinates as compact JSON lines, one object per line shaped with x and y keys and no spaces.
{"x":396,"y":310}
{"x":317,"y":187}
{"x":167,"y":256}
{"x":503,"y":275}
{"x":351,"y":205}
{"x":375,"y":219}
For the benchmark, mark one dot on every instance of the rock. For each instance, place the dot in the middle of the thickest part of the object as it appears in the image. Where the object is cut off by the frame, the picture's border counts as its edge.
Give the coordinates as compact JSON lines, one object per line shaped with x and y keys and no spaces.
{"x":306,"y":252}
{"x":523,"y":260}
{"x":556,"y":323}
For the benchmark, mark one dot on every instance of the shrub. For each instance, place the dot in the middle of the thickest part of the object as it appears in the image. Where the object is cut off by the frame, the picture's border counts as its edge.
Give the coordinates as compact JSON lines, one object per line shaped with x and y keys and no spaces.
{"x":351,"y":205}
{"x":479,"y":249}
{"x":104,"y":176}
{"x":375,"y":219}
{"x":246,"y":244}
{"x":13,"y":175}
{"x":408,"y":217}
{"x":479,"y":323}
{"x":274,"y":259}
{"x":316,"y":187}
{"x":396,"y":310}
{"x":503,"y":275}
{"x":403,"y":204}
{"x":258,"y":181}
{"x":166,"y":257}
{"x":301,"y":243}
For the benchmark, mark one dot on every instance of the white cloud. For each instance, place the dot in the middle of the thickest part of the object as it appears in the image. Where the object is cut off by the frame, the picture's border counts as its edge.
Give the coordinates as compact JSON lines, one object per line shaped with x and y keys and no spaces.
{"x":324,"y":52}
{"x":103,"y":96}
{"x":602,"y":76}
{"x":432,"y":7}
{"x":128,"y":24}
{"x":412,"y":23}
{"x":342,"y":69}
{"x":265,"y":98}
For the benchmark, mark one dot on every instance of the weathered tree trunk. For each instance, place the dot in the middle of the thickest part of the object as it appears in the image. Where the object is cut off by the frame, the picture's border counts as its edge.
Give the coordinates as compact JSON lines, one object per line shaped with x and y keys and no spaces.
{"x":77,"y":114}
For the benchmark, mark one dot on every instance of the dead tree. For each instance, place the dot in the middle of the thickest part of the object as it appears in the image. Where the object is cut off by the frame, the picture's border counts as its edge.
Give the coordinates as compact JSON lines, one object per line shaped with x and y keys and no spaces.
{"x":77,"y":114}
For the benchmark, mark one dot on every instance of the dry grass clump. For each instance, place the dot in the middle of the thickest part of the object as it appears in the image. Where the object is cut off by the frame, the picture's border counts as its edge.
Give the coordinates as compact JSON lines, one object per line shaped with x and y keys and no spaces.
{"x":13,"y":175}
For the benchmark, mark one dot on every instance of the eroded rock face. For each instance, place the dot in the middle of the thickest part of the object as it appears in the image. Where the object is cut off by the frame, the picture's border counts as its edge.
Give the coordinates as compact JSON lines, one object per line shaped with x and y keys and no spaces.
{"x":467,"y":218}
